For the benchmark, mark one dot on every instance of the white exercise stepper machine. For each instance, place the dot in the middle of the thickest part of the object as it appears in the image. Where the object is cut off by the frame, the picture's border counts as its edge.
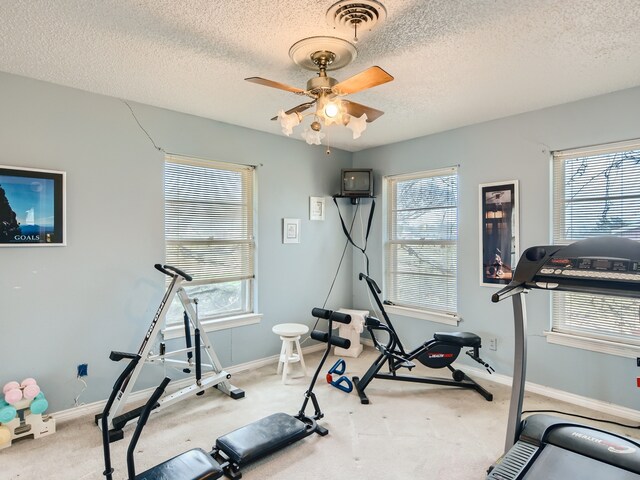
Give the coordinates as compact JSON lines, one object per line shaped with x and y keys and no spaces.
{"x":215,"y":377}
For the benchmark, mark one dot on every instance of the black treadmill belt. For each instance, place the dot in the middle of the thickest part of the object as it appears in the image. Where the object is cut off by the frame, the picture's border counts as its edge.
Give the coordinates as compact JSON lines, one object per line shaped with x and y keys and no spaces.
{"x":555,"y":463}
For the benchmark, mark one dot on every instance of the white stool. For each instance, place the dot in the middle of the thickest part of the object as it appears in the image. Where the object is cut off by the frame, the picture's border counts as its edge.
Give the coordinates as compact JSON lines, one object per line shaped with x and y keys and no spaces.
{"x":290,"y":335}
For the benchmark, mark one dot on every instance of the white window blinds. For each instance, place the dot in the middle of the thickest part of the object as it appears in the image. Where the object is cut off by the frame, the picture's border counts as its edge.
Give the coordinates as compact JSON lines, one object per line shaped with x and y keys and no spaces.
{"x":422,"y":237}
{"x":209,"y":219}
{"x":597,"y":192}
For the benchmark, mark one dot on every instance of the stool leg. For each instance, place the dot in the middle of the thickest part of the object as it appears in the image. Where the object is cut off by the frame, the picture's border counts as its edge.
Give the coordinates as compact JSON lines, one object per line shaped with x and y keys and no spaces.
{"x":287,"y":356}
{"x":281,"y":358}
{"x":302,"y":364}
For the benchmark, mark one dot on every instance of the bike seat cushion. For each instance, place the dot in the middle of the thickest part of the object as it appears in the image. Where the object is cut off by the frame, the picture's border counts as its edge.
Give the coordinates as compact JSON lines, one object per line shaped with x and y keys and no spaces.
{"x":460,"y":339}
{"x":194,"y":464}
{"x":262,"y":437}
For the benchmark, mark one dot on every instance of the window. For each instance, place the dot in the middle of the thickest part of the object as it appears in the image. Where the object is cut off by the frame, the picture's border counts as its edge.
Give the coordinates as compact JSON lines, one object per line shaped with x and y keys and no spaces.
{"x":422,"y":243}
{"x":596,"y":192}
{"x":209,"y":234}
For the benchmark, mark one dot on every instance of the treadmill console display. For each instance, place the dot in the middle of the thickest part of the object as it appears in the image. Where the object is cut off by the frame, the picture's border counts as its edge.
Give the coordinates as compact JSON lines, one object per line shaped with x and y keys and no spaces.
{"x":592,"y":268}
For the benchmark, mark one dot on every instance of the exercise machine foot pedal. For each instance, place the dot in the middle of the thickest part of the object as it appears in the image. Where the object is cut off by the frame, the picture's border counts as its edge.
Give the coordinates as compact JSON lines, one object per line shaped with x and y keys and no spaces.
{"x":121,"y":420}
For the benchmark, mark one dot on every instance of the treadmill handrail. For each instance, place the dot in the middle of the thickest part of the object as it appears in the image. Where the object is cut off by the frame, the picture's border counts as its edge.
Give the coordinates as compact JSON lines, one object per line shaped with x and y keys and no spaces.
{"x":513,"y":288}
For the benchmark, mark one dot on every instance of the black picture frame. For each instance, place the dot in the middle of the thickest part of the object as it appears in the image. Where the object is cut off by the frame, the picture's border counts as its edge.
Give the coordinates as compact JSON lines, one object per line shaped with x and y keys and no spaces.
{"x":499,"y":232}
{"x":32,"y":207}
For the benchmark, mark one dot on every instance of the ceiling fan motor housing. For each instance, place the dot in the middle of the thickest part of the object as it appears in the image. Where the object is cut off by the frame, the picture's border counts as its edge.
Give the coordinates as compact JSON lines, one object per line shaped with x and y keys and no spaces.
{"x":318,"y":84}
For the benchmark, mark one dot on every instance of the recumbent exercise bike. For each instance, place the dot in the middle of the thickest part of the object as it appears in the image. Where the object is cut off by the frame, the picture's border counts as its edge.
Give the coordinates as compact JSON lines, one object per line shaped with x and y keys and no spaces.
{"x":439,"y":352}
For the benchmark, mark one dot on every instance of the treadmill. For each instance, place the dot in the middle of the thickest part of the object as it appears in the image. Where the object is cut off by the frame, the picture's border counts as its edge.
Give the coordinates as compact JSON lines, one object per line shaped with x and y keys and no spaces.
{"x":544,"y":447}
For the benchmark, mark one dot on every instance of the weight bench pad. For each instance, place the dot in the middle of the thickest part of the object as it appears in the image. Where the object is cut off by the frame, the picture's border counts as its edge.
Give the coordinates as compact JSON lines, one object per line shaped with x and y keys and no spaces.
{"x":194,"y":464}
{"x":461,"y":339}
{"x":262,"y":437}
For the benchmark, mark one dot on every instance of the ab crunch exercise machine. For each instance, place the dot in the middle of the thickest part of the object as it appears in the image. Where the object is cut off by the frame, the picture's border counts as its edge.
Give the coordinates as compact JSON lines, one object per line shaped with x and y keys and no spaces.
{"x":216,"y":377}
{"x":238,"y":448}
{"x":439,"y":352}
{"x":271,"y":434}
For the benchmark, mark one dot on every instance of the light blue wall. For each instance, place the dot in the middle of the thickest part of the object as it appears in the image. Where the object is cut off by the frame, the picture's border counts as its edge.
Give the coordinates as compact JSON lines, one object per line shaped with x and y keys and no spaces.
{"x":62,"y":306}
{"x":506,"y":149}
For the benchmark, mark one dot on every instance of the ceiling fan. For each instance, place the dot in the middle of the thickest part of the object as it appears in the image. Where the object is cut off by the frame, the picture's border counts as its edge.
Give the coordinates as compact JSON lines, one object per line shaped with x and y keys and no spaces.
{"x":326,"y":93}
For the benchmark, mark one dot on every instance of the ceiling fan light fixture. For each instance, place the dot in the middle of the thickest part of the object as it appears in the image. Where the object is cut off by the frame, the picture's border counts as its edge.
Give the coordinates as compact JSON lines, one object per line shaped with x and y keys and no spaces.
{"x":322,"y":54}
{"x":313,"y":137}
{"x":288,"y":121}
{"x":331,"y":109}
{"x":357,"y":125}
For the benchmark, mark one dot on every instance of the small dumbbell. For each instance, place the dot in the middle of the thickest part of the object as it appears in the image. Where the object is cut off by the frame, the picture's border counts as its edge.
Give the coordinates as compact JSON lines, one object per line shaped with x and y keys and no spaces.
{"x":39,"y":404}
{"x":7,"y":413}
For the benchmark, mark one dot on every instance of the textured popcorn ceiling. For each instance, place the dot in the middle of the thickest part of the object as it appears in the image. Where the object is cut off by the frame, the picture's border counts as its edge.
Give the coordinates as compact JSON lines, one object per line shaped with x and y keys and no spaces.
{"x":455,"y":62}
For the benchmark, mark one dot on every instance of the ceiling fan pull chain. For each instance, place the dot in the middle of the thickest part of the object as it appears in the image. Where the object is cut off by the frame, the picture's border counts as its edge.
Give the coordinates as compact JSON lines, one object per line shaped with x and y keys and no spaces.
{"x":355,"y":32}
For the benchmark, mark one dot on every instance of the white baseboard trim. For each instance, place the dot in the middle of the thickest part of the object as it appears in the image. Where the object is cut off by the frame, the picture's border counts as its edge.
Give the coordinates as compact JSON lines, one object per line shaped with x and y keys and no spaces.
{"x":95,"y":408}
{"x":572,"y":398}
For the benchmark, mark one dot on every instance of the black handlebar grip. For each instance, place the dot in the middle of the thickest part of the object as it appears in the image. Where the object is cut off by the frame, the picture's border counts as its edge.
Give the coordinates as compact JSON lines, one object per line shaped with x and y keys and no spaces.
{"x":333,"y":340}
{"x":321,"y":313}
{"x":161,"y":269}
{"x":340,"y":317}
{"x":370,"y":281}
{"x":186,"y":276}
{"x":508,"y":291}
{"x":166,"y":270}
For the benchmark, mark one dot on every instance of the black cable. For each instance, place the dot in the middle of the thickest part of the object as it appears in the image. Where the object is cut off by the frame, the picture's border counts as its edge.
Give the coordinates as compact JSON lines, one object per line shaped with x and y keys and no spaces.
{"x":583,"y":416}
{"x":141,"y":127}
{"x":344,"y":251}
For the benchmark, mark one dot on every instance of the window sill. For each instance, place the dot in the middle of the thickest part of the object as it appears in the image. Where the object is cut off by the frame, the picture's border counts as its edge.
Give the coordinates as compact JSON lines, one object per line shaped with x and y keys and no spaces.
{"x":423,"y":315}
{"x":593,"y":344}
{"x":177,"y":331}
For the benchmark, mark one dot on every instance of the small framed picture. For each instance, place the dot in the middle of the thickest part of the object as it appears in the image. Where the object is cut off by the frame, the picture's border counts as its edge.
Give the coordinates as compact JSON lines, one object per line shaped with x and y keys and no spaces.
{"x":32,"y":207}
{"x":290,"y":230}
{"x":316,"y":208}
{"x":498,"y":232}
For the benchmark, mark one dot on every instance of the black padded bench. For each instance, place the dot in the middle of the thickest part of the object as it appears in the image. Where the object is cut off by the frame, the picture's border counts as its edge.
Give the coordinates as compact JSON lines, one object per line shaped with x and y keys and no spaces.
{"x":460,"y":339}
{"x":262,"y":437}
{"x":195,"y":464}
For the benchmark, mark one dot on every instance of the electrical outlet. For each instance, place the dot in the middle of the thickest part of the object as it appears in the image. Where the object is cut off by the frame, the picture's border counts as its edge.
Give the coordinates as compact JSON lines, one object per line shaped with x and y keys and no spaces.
{"x":493,"y":343}
{"x":83,"y":370}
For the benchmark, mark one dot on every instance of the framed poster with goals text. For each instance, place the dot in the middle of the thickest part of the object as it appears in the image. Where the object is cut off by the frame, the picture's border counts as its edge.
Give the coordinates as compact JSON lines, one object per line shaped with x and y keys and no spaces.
{"x":32,"y":207}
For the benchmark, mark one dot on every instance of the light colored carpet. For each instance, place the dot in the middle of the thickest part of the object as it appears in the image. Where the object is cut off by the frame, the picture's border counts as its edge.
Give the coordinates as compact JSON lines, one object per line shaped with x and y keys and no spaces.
{"x":408,"y":431}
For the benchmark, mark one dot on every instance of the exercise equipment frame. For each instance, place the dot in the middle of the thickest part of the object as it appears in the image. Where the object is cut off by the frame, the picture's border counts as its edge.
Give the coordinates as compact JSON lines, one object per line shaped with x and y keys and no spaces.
{"x":551,"y":448}
{"x":217,"y":377}
{"x":439,"y":352}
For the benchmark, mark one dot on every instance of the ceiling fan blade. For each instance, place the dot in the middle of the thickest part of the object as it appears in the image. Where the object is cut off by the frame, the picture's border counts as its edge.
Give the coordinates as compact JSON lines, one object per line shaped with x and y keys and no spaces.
{"x":356,"y":110}
{"x":300,"y":108}
{"x":271,"y":83}
{"x":371,"y":77}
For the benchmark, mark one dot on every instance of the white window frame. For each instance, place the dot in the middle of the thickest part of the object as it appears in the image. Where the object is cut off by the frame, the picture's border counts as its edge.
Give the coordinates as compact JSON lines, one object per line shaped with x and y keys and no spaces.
{"x":434,"y":315}
{"x":565,"y":336}
{"x":224,"y":320}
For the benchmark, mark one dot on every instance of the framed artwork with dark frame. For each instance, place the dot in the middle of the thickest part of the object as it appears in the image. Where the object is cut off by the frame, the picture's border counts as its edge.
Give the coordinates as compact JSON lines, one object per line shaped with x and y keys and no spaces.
{"x":32,"y":207}
{"x":499,"y":243}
